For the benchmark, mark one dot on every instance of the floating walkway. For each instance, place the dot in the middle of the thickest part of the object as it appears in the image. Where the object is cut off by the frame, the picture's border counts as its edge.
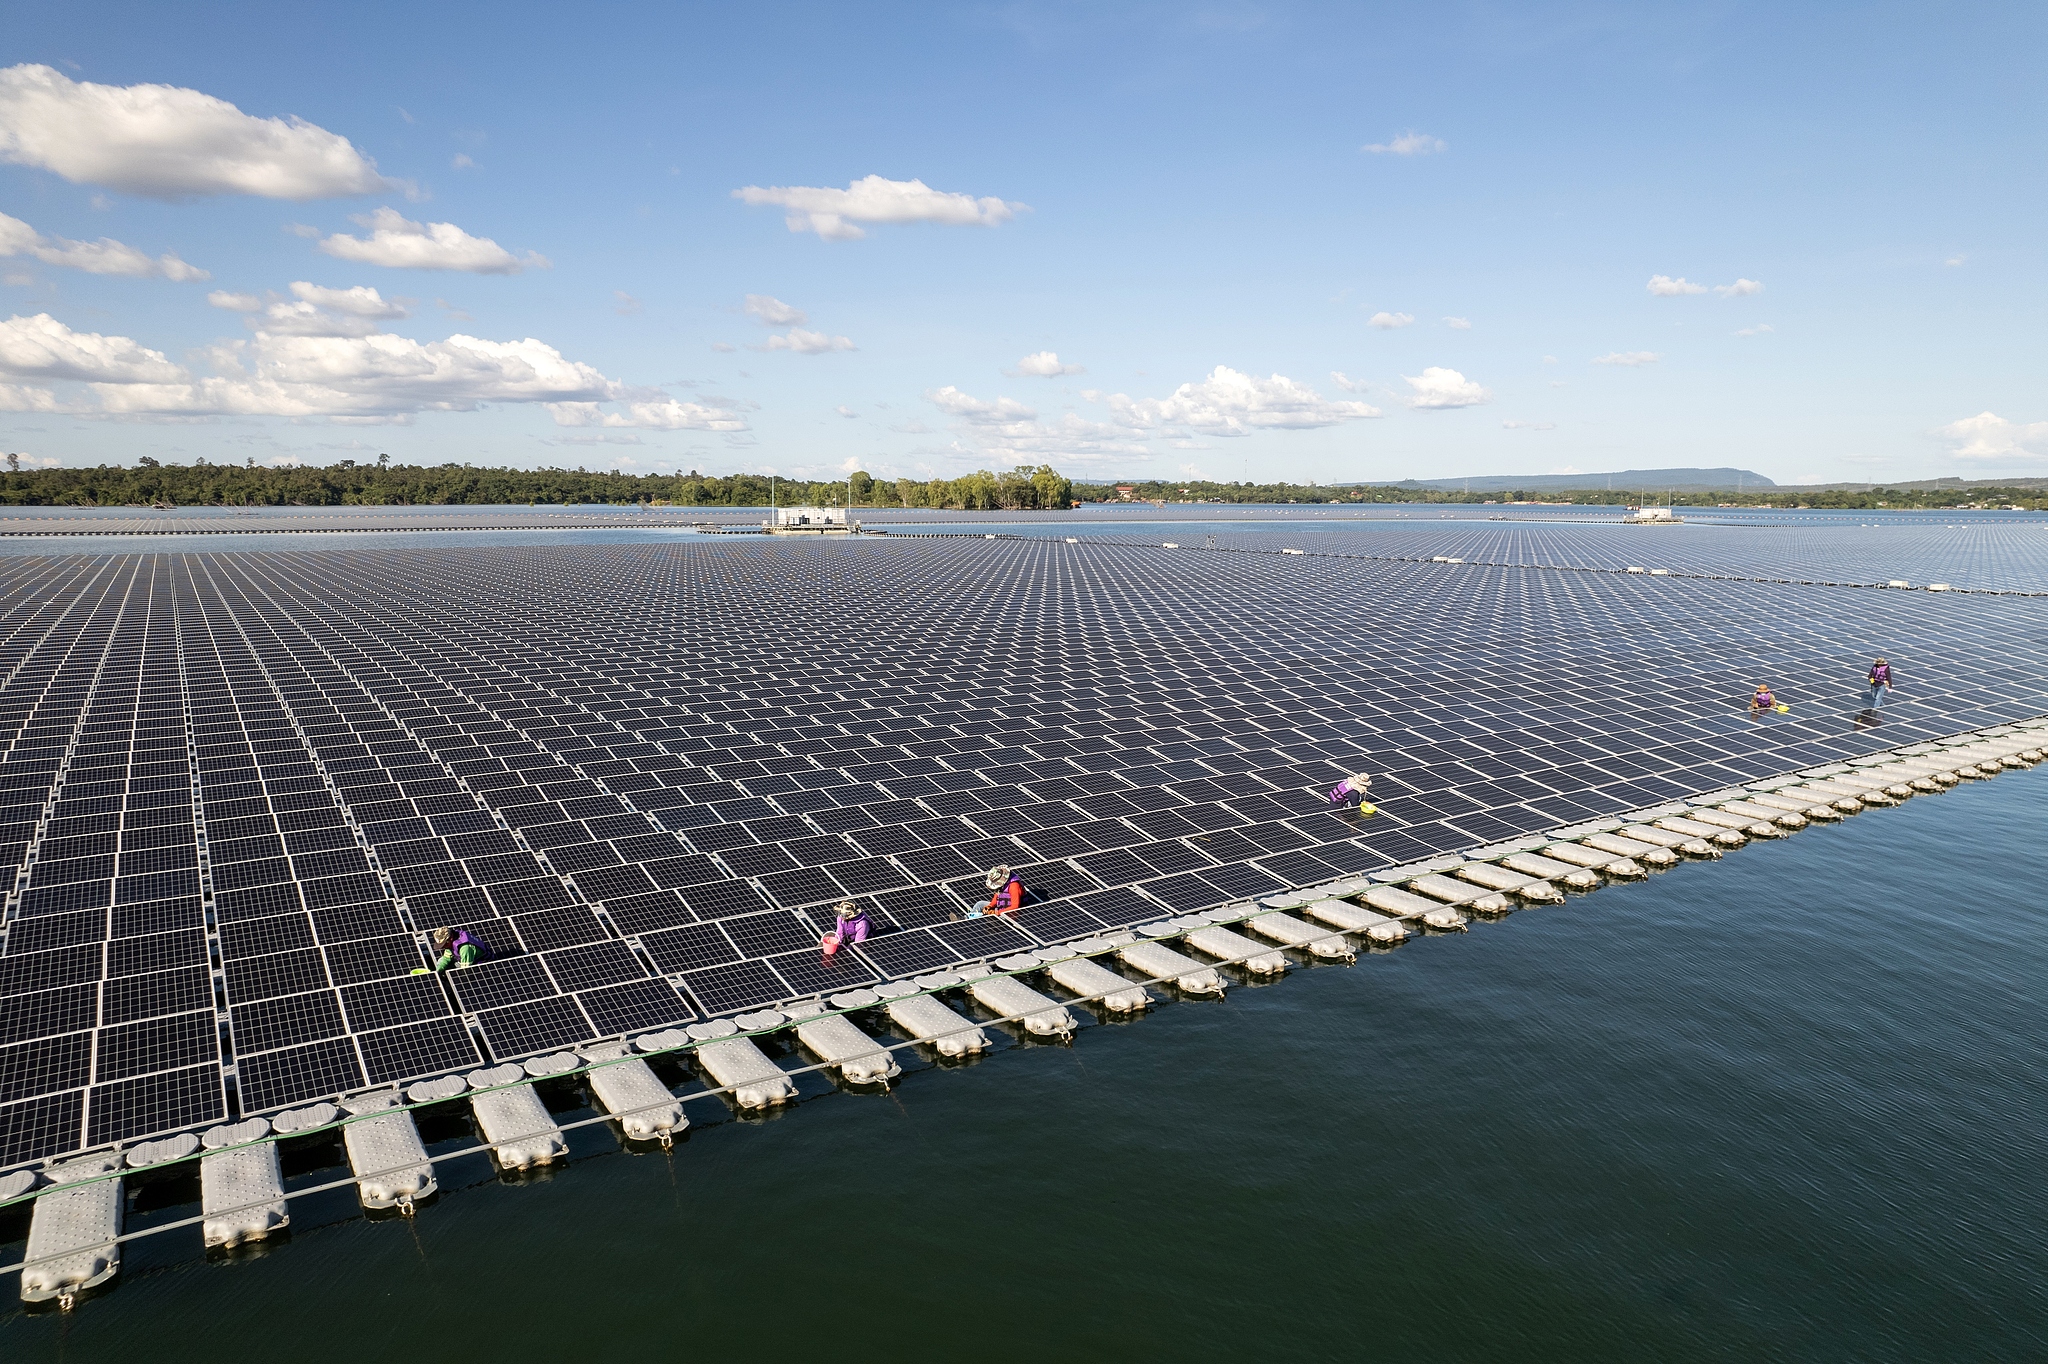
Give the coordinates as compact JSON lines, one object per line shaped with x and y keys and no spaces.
{"x":75,"y":1231}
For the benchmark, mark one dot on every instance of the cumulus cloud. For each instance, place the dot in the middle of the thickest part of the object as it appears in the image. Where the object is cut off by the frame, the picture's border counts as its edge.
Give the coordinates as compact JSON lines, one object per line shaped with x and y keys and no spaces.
{"x":1633,"y":359}
{"x":845,"y":411}
{"x":800,"y":342}
{"x":834,"y":214}
{"x":1044,"y":364}
{"x":1387,"y":322}
{"x":1007,"y":426}
{"x":1347,"y":383}
{"x":1741,"y":288}
{"x":1990,"y":436}
{"x":103,"y":257}
{"x":359,"y":301}
{"x":1410,"y":143}
{"x":317,"y":311}
{"x":665,"y":414}
{"x":1663,"y":286}
{"x":22,"y":398}
{"x":343,"y":378}
{"x":41,"y":347}
{"x":233,"y":302}
{"x":168,"y":142}
{"x":1437,"y":387}
{"x":398,"y":243}
{"x":951,"y":401}
{"x":1228,"y":403}
{"x":1458,"y":324}
{"x":773,"y":312}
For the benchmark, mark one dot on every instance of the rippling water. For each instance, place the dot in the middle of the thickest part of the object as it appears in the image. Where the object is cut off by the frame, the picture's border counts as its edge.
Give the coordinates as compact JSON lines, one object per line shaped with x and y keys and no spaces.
{"x":1790,"y":1105}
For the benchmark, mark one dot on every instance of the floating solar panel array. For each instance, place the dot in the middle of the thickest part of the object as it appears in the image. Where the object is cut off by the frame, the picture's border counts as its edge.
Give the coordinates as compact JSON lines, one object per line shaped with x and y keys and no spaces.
{"x":240,"y":790}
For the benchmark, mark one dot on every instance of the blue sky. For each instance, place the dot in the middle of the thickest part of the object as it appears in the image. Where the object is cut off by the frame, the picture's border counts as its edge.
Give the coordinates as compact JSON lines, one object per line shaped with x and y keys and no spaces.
{"x":1266,"y":241}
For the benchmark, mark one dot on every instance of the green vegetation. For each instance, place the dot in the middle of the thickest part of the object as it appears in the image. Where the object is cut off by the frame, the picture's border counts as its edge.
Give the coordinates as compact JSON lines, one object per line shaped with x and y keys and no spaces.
{"x":1856,"y":498}
{"x":348,"y":483}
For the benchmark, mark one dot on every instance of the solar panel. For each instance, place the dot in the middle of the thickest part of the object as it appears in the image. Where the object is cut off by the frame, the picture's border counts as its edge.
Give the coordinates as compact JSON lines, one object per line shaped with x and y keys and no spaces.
{"x":561,"y":747}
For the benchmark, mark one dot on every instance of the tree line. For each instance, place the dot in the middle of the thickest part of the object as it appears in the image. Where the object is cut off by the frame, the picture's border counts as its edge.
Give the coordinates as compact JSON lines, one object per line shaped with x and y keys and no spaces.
{"x":382,"y":483}
{"x":1844,"y":499}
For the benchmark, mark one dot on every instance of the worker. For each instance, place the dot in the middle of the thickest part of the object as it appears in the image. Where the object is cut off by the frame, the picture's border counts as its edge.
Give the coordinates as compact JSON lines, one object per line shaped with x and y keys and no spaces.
{"x":850,"y":925}
{"x":456,"y":947}
{"x":1353,"y":788}
{"x":1007,"y":889}
{"x":1764,"y":701}
{"x":1880,"y":683}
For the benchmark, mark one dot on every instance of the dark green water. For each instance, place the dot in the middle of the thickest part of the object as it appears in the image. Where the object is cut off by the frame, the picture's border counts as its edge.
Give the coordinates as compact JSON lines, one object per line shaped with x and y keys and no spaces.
{"x":1785,"y":1106}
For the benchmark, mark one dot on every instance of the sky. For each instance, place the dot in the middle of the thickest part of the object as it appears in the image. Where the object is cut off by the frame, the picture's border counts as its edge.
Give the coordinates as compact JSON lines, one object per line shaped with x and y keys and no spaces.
{"x":1225,"y":241}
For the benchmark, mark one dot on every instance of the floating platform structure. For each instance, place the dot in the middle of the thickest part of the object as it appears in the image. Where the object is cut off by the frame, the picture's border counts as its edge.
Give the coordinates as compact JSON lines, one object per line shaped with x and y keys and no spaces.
{"x":75,"y":1232}
{"x":239,"y":792}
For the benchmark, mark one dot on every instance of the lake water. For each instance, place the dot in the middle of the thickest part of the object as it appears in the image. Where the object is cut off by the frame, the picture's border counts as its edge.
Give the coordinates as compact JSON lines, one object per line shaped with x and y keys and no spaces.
{"x":1790,"y":1105}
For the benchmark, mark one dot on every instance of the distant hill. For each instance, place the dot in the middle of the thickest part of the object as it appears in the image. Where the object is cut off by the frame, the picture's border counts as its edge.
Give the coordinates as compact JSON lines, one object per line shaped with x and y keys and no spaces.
{"x":1621,"y":480}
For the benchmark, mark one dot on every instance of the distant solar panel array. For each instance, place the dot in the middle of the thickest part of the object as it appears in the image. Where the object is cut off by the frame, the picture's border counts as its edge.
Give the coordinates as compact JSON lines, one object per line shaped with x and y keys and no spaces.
{"x":237,"y":790}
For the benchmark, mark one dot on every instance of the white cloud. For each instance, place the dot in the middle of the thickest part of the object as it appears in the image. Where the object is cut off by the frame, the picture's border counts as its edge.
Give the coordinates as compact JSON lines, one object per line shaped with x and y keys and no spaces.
{"x":103,"y":257}
{"x":1458,"y":324}
{"x":398,"y":243}
{"x":665,"y":414}
{"x":1410,"y":143}
{"x":1012,"y":428}
{"x":1228,"y":403}
{"x":22,"y":398}
{"x":1758,"y":330}
{"x":845,"y":411}
{"x":968,"y":408}
{"x":41,"y":347}
{"x":360,"y":301}
{"x":1043,"y":364}
{"x":834,"y":213}
{"x":1633,"y":359}
{"x":167,"y":142}
{"x":303,"y":319}
{"x":1347,"y":383}
{"x":461,"y":162}
{"x":1437,"y":387}
{"x":1387,"y":322}
{"x":1529,"y":426}
{"x":319,"y":311}
{"x":1955,"y":260}
{"x":800,"y":342}
{"x":374,"y":378}
{"x":1663,"y":286}
{"x":1741,"y":288}
{"x":1990,"y":436}
{"x":235,"y":303}
{"x":773,"y":312}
